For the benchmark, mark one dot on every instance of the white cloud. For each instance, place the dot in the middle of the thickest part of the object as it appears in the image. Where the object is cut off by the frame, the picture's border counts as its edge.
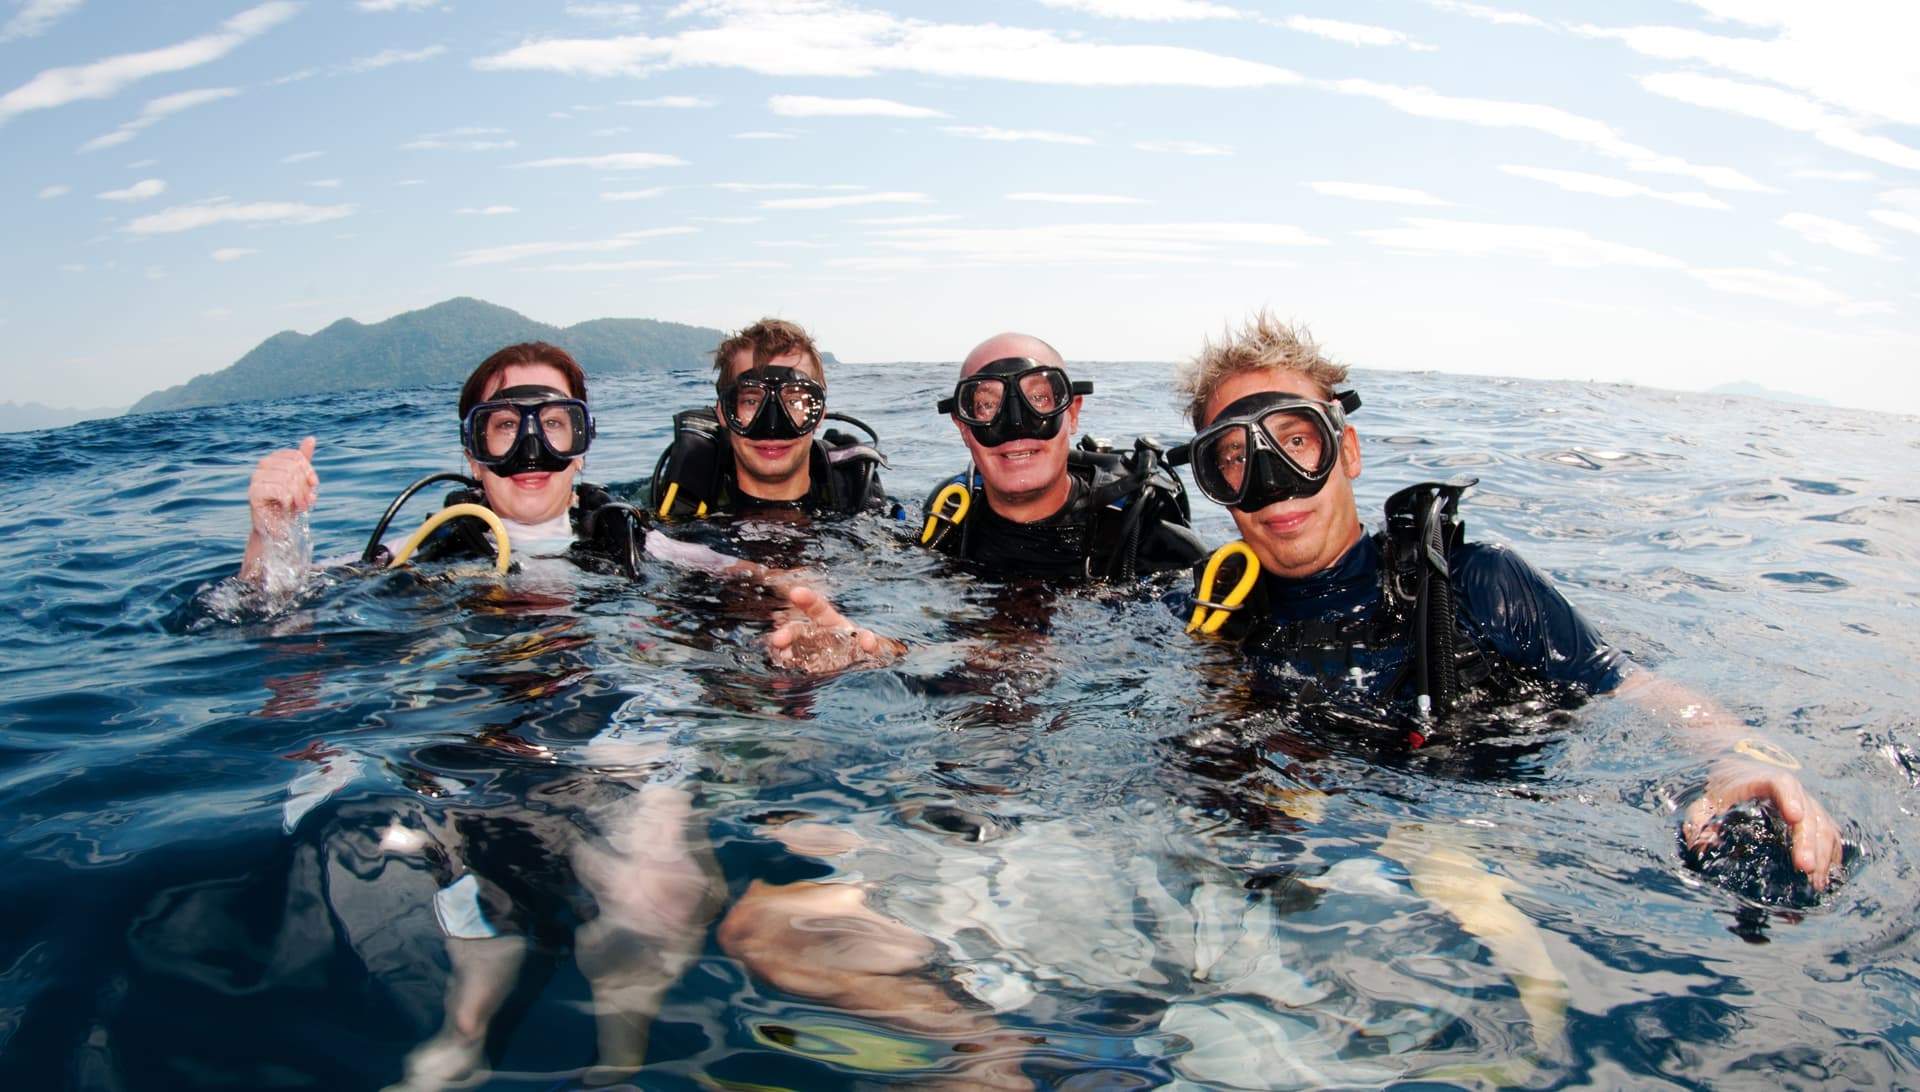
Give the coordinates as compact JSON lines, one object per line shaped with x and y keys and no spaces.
{"x":1364,"y":191}
{"x":1826,"y":232}
{"x":929,"y":218}
{"x":300,"y":157}
{"x":232,"y":253}
{"x":1819,"y":175}
{"x":1904,"y":221}
{"x":1782,"y":108}
{"x":1073,"y":244}
{"x":514,"y":252}
{"x":157,"y":109}
{"x":811,"y":106}
{"x":395,"y":5}
{"x":105,"y":78}
{"x":1558,"y":246}
{"x":1907,"y":200}
{"x":1602,"y":186}
{"x":613,"y":13}
{"x":762,"y":134}
{"x":471,"y":139}
{"x":139,"y":191}
{"x":188,"y":217}
{"x":618,"y":161}
{"x":1772,"y":285}
{"x":1183,"y":147}
{"x":633,"y":195}
{"x":1596,"y":135}
{"x":830,"y":38}
{"x":846,"y":199}
{"x":611,"y":267}
{"x":1157,"y":11}
{"x":489,"y":210}
{"x":387,"y":58}
{"x":758,"y":187}
{"x":1078,"y":198}
{"x":731,"y":219}
{"x":56,"y":190}
{"x":1855,"y":55}
{"x":673,"y":102}
{"x":1040,"y":136}
{"x":35,"y":16}
{"x":1491,"y":15}
{"x":1356,"y":34}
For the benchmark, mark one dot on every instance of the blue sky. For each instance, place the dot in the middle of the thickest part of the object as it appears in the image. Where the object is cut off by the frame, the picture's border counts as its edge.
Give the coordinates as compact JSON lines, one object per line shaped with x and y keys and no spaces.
{"x":1676,"y":193}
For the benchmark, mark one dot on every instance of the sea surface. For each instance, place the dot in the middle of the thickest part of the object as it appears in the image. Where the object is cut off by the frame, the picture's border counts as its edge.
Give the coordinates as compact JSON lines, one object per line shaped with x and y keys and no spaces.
{"x":224,"y":817}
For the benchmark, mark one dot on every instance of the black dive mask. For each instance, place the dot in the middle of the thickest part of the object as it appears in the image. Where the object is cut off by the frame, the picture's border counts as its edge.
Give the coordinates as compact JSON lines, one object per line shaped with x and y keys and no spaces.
{"x":1268,"y":447}
{"x":1013,"y":399}
{"x":527,"y":429}
{"x":777,"y":403}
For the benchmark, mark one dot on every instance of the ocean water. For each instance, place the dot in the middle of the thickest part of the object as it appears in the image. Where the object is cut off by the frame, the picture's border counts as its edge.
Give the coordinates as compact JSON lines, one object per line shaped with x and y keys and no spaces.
{"x":223,"y":821}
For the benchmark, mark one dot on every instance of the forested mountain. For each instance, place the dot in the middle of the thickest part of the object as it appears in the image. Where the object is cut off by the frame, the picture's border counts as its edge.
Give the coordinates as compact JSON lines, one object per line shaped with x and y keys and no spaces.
{"x":432,"y":346}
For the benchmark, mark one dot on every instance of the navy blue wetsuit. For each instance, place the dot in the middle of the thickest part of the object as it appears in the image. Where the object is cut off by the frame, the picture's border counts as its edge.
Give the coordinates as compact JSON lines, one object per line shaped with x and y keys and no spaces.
{"x":1331,"y":627}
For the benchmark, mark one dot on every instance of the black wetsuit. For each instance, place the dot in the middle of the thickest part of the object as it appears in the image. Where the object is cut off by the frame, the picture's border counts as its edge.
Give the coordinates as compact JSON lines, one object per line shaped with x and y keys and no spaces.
{"x":1336,"y":629}
{"x":843,"y":475}
{"x":1096,"y":535}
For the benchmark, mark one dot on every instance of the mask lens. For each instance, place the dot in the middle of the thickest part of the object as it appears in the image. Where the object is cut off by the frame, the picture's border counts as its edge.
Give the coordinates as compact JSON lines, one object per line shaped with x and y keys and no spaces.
{"x":499,"y":430}
{"x":1044,"y":391}
{"x":804,"y":403}
{"x":774,"y":406}
{"x":743,"y":404}
{"x":1220,"y":464}
{"x":1300,"y":438}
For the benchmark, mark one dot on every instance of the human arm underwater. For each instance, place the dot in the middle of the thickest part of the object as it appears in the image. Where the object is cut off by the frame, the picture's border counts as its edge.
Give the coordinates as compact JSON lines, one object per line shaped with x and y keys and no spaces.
{"x":283,"y":485}
{"x":816,"y":638}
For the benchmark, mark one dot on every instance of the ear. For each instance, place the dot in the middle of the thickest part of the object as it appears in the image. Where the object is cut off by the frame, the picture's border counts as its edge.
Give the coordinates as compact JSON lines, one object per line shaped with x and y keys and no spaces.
{"x":1350,"y":452}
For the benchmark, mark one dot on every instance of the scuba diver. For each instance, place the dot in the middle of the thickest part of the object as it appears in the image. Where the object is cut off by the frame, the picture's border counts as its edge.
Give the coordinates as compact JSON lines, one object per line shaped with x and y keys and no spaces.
{"x":525,"y":428}
{"x":756,"y":449}
{"x":1413,"y":615}
{"x":1031,"y":504}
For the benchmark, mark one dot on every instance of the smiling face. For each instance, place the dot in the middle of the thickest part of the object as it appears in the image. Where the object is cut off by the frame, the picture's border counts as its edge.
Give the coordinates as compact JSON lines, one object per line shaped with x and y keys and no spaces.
{"x":1301,"y":536}
{"x":1024,"y":479}
{"x":771,"y":469}
{"x":534,"y":496}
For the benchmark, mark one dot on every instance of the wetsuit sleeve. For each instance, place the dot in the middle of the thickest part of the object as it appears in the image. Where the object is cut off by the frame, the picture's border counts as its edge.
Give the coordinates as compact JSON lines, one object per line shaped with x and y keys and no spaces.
{"x":1515,"y":609}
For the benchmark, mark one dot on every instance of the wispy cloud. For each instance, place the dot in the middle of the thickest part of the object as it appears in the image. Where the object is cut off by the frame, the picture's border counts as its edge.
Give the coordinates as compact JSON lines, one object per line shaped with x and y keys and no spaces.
{"x":761,"y":187}
{"x":1354,"y":34}
{"x":1155,"y":11}
{"x":1822,"y":231}
{"x":1557,"y":246}
{"x":387,"y":58}
{"x":102,"y":79}
{"x":618,"y":161}
{"x":633,"y":195}
{"x":612,"y":13}
{"x":834,"y":39}
{"x":1783,"y":108}
{"x":188,"y":217}
{"x":611,"y":267}
{"x":487,"y":210}
{"x":1488,"y":14}
{"x":1904,"y":221}
{"x":514,"y":252}
{"x":674,"y":102}
{"x":1602,"y":186}
{"x":845,"y":200}
{"x":1772,"y":285}
{"x":56,"y":190}
{"x":462,"y":140}
{"x":928,"y":218}
{"x":1078,"y":198}
{"x":1820,"y":175}
{"x":157,"y":109}
{"x":762,"y":134}
{"x":395,"y":5}
{"x":35,"y":16}
{"x":1182,"y":147}
{"x":1039,"y":136}
{"x":232,"y":253}
{"x":810,"y":106}
{"x":1366,"y":191}
{"x":300,"y":157}
{"x":1072,"y":244}
{"x":139,"y":191}
{"x":1595,"y":135}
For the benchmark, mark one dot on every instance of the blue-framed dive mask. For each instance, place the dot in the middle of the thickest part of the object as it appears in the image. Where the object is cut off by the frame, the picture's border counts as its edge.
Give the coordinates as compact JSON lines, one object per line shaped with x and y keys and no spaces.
{"x":527,"y":429}
{"x":1268,"y":447}
{"x":1013,"y":399}
{"x":775,"y":403}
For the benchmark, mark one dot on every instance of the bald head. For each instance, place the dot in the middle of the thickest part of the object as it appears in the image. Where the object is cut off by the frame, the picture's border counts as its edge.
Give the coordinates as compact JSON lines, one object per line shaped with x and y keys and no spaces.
{"x":1003,"y":346}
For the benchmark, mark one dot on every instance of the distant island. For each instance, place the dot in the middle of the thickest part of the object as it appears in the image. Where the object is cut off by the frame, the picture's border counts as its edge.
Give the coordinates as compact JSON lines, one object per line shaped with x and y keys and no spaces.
{"x":1744,"y":389}
{"x":433,"y":346}
{"x":32,"y":416}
